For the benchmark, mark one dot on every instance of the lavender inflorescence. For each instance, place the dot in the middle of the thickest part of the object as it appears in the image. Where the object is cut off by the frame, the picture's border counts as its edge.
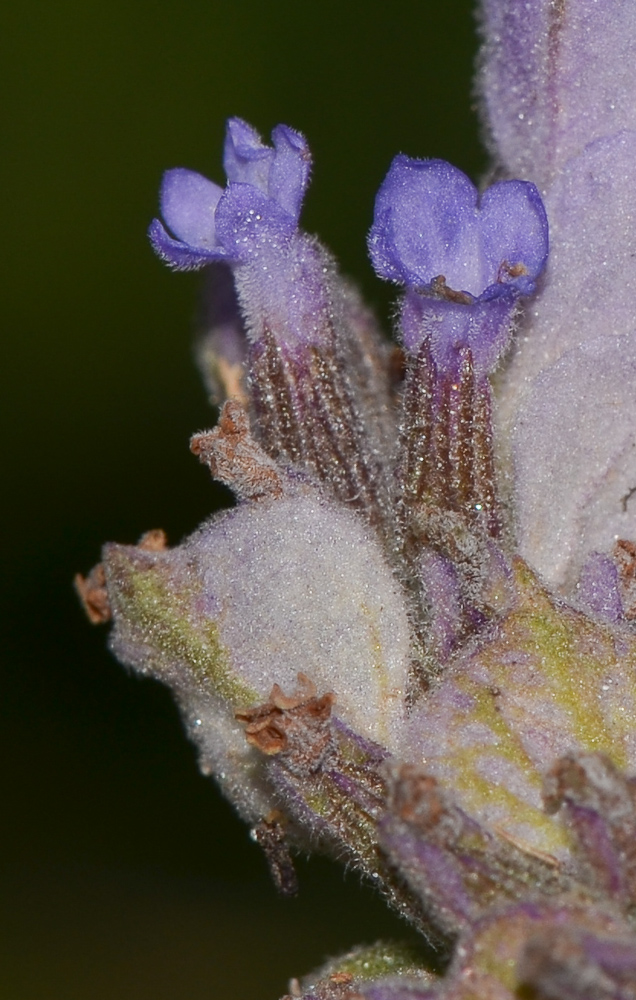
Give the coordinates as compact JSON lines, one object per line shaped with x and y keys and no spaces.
{"x":403,"y":647}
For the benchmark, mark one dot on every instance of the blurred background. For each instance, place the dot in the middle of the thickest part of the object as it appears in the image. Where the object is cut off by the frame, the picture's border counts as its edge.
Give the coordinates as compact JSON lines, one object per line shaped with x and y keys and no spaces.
{"x":124,"y":874}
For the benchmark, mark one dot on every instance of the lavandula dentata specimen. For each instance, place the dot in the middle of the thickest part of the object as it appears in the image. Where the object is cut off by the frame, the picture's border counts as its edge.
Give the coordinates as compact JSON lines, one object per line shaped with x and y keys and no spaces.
{"x":366,"y":662}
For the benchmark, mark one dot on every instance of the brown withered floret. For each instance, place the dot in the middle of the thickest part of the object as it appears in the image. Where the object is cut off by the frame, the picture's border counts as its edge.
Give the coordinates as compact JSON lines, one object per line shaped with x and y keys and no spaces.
{"x":416,"y":795}
{"x":153,"y":541}
{"x":234,"y":457}
{"x":440,"y":290}
{"x":337,"y":986}
{"x":270,"y":835}
{"x":297,"y":725}
{"x":92,"y":592}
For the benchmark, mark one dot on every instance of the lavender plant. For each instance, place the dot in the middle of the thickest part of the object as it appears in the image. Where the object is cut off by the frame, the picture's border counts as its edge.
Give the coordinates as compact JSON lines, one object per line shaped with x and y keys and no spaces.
{"x":410,"y":644}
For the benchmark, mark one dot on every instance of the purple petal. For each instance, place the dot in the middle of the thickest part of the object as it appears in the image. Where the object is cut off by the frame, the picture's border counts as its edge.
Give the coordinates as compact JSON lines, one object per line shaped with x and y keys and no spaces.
{"x":425,"y":225}
{"x":514,"y":232}
{"x":188,"y":203}
{"x":281,"y":172}
{"x":428,"y":223}
{"x":247,"y":222}
{"x":245,"y":157}
{"x":180,"y":256}
{"x":290,"y":170}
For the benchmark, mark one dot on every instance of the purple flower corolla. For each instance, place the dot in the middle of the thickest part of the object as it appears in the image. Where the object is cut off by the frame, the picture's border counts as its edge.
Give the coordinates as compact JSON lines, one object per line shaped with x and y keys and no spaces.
{"x":293,"y":318}
{"x":259,"y":207}
{"x":281,"y":172}
{"x":464,"y":260}
{"x":281,"y":276}
{"x":430,"y":221}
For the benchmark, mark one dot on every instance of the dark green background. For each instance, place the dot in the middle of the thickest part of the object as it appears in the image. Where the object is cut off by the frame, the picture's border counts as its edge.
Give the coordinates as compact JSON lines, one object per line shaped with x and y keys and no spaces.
{"x":124,"y":875}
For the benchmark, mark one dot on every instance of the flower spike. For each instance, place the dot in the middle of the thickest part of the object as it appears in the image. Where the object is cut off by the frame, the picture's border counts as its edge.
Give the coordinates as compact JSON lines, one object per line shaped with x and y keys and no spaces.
{"x":366,"y":649}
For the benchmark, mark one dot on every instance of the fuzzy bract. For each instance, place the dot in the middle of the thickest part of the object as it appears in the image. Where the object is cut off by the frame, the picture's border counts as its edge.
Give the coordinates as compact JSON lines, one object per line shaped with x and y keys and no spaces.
{"x":557,"y":83}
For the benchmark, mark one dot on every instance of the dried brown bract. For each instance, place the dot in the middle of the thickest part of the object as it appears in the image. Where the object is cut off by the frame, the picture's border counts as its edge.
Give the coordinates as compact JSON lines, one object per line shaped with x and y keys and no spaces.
{"x":234,"y":457}
{"x":92,"y":592}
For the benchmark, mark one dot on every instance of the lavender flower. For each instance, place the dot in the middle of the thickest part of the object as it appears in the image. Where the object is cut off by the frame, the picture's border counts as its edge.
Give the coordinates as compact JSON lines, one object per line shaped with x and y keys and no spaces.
{"x":260,"y":206}
{"x":306,"y":333}
{"x":367,"y":660}
{"x":464,"y":260}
